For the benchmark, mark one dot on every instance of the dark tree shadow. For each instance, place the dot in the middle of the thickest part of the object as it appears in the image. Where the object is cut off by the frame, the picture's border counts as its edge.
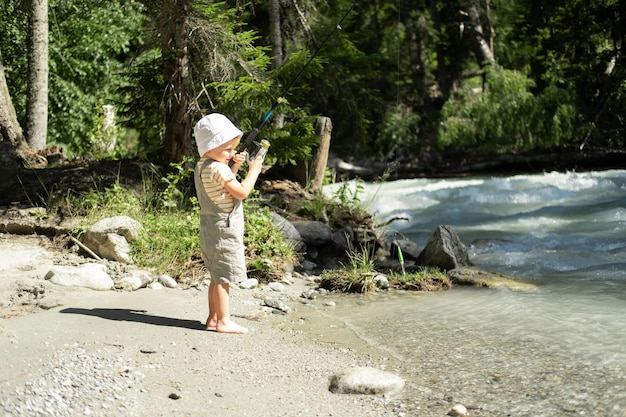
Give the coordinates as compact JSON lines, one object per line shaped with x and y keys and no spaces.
{"x":137,"y":316}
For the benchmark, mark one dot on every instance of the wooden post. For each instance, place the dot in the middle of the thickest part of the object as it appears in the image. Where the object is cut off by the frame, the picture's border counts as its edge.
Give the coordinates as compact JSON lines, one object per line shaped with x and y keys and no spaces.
{"x":324,"y":128}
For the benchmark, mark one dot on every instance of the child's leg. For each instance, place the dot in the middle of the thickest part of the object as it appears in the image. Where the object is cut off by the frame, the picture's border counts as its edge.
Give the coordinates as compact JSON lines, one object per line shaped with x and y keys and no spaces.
{"x":212,"y":320}
{"x":221,"y":307}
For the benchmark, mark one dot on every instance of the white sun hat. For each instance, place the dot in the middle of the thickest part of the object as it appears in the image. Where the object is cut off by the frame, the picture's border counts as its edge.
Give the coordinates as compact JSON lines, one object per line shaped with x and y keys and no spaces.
{"x":214,"y":130}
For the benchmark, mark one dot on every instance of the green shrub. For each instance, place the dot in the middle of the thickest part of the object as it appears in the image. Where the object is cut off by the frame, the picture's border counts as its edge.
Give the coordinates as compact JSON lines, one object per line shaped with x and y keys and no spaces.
{"x":507,"y":117}
{"x":269,"y":254}
{"x":170,"y":240}
{"x":341,"y":209}
{"x":170,"y":243}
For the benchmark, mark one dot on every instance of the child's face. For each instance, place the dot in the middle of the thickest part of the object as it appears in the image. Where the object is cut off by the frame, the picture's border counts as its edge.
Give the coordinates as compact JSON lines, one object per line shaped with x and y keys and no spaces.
{"x":225,"y":152}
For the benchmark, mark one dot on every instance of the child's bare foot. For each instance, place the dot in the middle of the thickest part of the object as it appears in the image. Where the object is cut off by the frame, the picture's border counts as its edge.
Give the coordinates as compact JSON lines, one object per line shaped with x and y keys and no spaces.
{"x":230,"y":327}
{"x":211,"y":323}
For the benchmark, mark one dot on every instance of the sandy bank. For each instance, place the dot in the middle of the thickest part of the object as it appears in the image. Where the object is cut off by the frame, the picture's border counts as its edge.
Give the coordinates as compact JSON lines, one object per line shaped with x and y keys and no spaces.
{"x":151,"y":356}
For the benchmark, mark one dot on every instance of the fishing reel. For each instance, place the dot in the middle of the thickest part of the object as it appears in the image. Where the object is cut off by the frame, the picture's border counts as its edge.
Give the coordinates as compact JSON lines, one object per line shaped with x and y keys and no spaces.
{"x":259,"y":151}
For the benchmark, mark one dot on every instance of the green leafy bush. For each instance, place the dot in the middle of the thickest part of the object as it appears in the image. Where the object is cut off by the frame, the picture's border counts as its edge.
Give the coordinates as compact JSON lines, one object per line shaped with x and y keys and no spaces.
{"x":269,"y":254}
{"x":507,"y":116}
{"x":170,"y":218}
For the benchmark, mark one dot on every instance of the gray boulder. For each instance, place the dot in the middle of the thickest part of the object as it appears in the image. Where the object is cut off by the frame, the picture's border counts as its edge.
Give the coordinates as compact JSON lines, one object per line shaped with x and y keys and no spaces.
{"x":120,"y":225}
{"x":89,"y":275}
{"x":444,"y":250}
{"x":410,"y":250}
{"x":109,"y":238}
{"x":344,"y":238}
{"x":135,"y":280}
{"x":288,"y":230}
{"x":313,"y":232}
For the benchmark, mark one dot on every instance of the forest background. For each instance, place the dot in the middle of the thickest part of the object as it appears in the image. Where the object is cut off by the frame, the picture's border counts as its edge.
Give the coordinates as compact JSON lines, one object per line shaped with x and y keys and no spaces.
{"x":119,"y":84}
{"x":398,"y":78}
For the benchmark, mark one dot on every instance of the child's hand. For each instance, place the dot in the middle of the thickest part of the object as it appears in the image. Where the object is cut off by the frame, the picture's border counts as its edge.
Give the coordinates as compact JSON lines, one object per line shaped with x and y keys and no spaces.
{"x":240,"y":157}
{"x":256,"y":165}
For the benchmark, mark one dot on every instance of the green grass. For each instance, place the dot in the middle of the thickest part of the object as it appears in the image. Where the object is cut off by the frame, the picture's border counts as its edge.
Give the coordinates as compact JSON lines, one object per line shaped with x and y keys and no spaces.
{"x":426,"y":279}
{"x":170,"y":241}
{"x":358,"y":276}
{"x":269,"y":254}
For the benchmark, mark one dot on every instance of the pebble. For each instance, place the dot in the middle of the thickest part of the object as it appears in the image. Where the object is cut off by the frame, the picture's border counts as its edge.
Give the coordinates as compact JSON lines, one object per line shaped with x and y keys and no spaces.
{"x":276,"y":286}
{"x":155,"y":286}
{"x":310,"y":294}
{"x":167,"y":281}
{"x":249,"y":284}
{"x":458,"y":410}
{"x":277,"y":304}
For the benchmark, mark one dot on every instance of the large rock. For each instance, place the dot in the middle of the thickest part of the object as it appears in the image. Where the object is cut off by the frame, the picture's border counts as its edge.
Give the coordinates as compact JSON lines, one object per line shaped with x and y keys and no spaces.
{"x":109,"y":237}
{"x":444,"y":250}
{"x":135,"y":280}
{"x":314,"y":233}
{"x":344,"y":238}
{"x":124,"y":226}
{"x":365,"y":380}
{"x":90,"y":275}
{"x":288,"y":230}
{"x":480,"y":278}
{"x":409,"y":249}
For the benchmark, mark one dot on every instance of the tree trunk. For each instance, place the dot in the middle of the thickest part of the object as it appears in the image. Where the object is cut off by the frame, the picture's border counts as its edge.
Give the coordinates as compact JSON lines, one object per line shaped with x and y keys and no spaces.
{"x":276,"y":40}
{"x":417,"y":49}
{"x":443,"y":77}
{"x":482,"y":51}
{"x":14,"y":151}
{"x":324,"y":128}
{"x":490,"y":33}
{"x":37,"y":94}
{"x":310,"y":172}
{"x":173,"y":28}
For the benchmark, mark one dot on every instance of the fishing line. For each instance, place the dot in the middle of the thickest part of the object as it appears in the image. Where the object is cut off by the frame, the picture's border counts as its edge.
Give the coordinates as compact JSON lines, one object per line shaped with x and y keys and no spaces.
{"x":253,"y":134}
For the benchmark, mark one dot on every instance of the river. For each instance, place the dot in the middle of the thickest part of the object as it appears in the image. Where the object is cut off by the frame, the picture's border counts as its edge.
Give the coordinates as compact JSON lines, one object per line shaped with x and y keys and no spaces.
{"x":559,"y":349}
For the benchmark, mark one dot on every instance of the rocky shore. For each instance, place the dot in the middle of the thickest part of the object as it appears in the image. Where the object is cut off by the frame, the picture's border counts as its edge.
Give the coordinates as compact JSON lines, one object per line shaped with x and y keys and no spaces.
{"x":76,"y":351}
{"x":89,"y":335}
{"x":136,"y":345}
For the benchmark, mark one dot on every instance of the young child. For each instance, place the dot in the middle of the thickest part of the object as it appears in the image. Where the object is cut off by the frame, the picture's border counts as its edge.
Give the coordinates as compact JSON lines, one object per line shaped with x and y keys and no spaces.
{"x":220,"y":195}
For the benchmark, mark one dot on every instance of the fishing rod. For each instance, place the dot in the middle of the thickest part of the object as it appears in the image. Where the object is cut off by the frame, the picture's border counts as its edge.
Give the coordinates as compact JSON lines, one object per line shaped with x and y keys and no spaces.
{"x":253,"y":134}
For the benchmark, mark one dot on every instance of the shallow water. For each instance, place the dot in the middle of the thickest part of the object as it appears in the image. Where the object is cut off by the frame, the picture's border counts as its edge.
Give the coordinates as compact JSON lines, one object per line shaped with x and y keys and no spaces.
{"x":558,"y":349}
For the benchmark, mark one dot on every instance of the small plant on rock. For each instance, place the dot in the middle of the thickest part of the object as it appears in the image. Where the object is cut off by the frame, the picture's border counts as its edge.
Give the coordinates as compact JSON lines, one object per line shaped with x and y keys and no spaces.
{"x":358,"y":276}
{"x":425,"y":279}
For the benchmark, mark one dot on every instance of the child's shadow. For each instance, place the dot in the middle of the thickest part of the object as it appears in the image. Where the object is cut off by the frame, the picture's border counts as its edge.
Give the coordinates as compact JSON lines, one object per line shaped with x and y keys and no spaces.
{"x":138,"y":316}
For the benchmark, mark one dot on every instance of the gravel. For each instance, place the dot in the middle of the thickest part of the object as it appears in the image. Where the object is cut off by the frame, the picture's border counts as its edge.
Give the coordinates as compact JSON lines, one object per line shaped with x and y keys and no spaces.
{"x":78,"y":383}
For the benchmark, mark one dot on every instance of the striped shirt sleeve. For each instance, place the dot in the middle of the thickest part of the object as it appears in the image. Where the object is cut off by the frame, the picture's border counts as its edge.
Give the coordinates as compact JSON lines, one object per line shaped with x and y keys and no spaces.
{"x":214,"y":177}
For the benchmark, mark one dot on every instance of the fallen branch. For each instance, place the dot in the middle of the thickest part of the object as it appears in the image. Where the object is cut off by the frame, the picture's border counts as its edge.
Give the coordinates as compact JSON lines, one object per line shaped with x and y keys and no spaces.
{"x":85,"y":248}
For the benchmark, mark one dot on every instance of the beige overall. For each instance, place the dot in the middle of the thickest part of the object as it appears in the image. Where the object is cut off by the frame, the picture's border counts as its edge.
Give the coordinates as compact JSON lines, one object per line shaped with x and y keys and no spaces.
{"x":221,"y":235}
